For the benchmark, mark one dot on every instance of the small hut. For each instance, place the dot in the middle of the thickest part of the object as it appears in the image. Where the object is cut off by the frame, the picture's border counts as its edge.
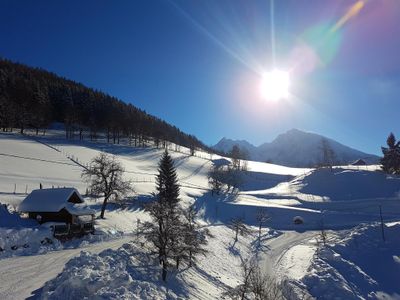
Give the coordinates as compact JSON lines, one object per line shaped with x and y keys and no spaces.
{"x":64,"y":206}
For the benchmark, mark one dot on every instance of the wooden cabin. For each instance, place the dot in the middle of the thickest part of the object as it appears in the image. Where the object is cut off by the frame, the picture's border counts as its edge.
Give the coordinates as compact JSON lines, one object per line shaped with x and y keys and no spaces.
{"x":63,"y":206}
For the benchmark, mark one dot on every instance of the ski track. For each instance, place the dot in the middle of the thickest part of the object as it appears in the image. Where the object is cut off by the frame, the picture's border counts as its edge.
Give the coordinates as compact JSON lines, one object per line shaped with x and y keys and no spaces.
{"x":271,"y":260}
{"x":20,"y":276}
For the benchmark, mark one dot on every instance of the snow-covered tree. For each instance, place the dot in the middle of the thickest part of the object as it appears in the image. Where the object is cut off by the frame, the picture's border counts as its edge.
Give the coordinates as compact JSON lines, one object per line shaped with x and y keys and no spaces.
{"x":391,"y":156}
{"x":104,"y":178}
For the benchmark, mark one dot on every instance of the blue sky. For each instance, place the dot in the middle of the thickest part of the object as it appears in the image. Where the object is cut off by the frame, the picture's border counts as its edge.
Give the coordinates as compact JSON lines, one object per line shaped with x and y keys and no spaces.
{"x":198,"y":64}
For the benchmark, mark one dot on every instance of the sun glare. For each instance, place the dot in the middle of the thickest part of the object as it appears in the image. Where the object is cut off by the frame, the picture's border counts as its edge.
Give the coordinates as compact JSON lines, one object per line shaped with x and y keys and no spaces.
{"x":275,"y":85}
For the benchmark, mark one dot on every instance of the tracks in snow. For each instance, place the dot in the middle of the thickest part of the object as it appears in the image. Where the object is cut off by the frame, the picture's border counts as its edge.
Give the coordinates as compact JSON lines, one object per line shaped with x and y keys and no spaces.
{"x":270,"y":260}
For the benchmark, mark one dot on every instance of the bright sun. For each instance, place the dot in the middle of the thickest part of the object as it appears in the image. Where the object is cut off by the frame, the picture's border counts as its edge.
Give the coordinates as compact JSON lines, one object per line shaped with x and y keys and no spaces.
{"x":275,"y":85}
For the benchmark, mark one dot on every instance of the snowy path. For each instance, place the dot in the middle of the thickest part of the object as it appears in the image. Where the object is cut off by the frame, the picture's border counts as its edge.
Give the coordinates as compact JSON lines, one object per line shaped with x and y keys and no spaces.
{"x":20,"y":276}
{"x":274,"y":260}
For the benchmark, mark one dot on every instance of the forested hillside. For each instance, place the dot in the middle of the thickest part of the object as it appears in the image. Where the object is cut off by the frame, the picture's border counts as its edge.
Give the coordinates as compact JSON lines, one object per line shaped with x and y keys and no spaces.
{"x":35,"y":98}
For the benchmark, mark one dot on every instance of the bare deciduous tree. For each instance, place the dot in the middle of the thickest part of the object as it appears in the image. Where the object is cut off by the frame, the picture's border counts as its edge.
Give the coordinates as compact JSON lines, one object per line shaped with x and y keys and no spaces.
{"x":262,"y":218}
{"x":195,"y":237}
{"x":104,"y":176}
{"x":328,"y":155}
{"x":215,"y":179}
{"x":323,"y":234}
{"x":239,"y":227}
{"x":255,"y":284}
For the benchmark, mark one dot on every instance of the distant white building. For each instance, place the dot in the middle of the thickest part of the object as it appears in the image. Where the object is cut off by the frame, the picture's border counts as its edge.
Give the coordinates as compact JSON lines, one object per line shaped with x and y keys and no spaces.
{"x":359,"y":162}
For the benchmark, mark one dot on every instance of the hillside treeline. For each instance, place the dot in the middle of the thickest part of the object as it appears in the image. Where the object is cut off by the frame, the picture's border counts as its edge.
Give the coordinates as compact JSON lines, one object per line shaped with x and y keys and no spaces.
{"x":35,"y":98}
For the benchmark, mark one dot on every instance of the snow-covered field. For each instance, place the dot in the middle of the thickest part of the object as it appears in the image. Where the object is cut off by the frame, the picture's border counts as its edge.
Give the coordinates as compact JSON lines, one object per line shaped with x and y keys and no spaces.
{"x":335,"y":200}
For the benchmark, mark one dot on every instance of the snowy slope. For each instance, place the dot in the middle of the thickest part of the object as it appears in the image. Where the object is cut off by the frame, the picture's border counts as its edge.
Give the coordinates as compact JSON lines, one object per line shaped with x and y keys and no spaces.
{"x":341,"y":199}
{"x":297,"y":148}
{"x":357,"y":264}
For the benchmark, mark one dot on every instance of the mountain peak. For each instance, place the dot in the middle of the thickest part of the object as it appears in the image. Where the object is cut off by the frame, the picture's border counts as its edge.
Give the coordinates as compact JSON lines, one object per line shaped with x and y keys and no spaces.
{"x":296,"y":148}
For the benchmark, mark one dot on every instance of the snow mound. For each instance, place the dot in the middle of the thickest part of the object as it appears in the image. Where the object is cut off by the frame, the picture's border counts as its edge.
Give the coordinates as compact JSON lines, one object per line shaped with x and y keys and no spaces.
{"x":112,"y":274}
{"x":22,"y":236}
{"x":360,"y":265}
{"x":26,"y":241}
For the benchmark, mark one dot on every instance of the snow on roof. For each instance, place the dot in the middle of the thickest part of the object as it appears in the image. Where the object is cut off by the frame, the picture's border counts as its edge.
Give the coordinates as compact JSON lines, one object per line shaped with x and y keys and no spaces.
{"x":48,"y":200}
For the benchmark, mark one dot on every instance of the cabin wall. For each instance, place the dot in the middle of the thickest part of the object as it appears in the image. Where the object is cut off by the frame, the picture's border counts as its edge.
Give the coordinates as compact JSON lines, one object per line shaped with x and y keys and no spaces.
{"x":61,"y":216}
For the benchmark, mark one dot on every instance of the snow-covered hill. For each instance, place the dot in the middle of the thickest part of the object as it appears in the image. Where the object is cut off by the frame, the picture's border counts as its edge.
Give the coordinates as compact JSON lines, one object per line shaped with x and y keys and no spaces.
{"x":297,"y":148}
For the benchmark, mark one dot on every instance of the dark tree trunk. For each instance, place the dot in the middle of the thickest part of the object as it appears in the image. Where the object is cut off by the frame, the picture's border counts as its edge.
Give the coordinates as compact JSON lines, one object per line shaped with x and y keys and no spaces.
{"x":103,"y":207}
{"x":177,"y":262}
{"x":164,"y":271}
{"x":190,"y":258}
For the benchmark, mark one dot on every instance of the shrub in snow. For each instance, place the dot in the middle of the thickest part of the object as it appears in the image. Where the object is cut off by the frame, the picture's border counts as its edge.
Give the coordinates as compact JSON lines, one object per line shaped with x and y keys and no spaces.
{"x":298,"y":220}
{"x":255,"y":284}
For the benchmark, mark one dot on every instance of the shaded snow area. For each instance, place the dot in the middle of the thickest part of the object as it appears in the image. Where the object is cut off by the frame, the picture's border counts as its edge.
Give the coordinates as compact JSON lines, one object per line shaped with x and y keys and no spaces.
{"x":357,"y":264}
{"x":130,"y":273}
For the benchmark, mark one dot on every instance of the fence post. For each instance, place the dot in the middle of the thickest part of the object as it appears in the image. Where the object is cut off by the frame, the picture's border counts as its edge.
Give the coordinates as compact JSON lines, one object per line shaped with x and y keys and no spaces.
{"x":383,"y":231}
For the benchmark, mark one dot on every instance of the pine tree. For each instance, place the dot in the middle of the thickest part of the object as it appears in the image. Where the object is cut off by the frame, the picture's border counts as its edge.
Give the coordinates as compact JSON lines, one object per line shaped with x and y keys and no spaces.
{"x":165,"y":230}
{"x":391,"y":156}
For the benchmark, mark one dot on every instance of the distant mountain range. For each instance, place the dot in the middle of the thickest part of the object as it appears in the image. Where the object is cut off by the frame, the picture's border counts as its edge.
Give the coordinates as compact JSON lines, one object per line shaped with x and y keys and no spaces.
{"x":296,"y":148}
